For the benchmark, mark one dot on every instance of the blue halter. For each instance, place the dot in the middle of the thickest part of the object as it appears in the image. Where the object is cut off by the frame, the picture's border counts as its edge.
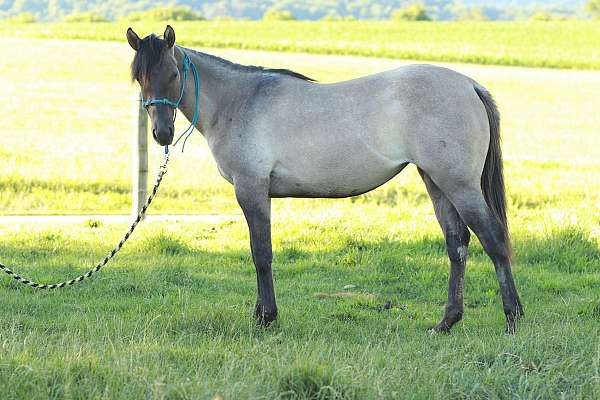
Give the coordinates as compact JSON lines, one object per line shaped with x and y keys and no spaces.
{"x":187,"y":64}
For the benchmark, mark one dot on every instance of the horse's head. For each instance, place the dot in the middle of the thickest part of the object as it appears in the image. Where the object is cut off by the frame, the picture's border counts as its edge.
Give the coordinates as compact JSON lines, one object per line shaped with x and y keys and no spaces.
{"x":155,"y":68}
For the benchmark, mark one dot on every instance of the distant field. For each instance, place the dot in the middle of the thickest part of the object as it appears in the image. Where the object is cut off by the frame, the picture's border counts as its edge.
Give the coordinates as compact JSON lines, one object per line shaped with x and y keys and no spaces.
{"x":567,"y":44}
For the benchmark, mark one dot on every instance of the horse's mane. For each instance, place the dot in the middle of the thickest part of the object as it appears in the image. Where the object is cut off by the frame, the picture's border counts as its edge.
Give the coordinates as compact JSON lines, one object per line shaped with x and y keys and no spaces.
{"x":152,"y":50}
{"x":149,"y":55}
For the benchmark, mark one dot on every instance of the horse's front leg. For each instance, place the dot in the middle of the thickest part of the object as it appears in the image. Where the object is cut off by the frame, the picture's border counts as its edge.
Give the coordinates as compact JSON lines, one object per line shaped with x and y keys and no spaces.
{"x":253,"y":197}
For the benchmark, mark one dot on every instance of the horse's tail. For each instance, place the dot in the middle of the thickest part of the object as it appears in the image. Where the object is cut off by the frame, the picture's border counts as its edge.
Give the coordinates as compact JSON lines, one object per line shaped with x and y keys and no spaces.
{"x":492,"y":178}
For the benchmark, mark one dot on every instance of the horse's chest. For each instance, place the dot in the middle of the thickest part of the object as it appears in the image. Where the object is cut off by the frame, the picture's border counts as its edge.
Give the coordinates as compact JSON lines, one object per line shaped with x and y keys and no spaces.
{"x":221,"y":152}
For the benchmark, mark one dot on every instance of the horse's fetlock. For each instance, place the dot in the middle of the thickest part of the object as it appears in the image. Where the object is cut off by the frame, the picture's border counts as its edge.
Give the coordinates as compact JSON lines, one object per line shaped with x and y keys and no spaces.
{"x":454,"y":314}
{"x":263,"y":316}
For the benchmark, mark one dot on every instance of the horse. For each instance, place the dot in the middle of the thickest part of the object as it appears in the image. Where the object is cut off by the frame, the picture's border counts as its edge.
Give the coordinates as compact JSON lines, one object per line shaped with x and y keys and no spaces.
{"x":276,"y":133}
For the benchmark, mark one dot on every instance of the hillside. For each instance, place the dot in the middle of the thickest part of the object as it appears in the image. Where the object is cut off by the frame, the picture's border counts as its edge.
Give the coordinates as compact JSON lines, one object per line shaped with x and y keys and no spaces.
{"x":54,"y":10}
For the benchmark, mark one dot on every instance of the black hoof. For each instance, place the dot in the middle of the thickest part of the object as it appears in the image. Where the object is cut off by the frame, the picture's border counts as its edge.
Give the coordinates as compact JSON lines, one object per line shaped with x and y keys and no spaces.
{"x":439,"y":329}
{"x":264,"y":317}
{"x":450,"y":318}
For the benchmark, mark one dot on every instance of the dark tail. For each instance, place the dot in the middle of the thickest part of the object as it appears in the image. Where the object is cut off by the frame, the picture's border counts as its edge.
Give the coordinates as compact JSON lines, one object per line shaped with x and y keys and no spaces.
{"x":492,"y":178}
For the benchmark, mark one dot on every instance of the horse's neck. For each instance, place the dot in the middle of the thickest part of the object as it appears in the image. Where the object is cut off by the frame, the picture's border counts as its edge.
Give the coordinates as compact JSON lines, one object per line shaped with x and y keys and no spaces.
{"x":219,"y":87}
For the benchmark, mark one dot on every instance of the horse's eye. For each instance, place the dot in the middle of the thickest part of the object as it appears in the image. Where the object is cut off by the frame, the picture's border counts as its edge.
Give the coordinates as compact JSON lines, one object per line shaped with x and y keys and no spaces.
{"x":174,"y":76}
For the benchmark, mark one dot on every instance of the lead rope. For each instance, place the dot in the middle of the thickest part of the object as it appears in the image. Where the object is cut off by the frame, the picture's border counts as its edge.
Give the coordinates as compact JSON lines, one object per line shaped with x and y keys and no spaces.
{"x":161,"y":172}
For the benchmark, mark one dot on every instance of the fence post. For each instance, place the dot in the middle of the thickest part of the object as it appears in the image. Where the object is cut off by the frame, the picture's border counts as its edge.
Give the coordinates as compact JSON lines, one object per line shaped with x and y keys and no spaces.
{"x":139,"y":173}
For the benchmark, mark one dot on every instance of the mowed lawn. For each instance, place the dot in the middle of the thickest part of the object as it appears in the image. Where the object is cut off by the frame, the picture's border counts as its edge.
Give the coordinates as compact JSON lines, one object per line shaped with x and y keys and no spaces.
{"x":171,"y":318}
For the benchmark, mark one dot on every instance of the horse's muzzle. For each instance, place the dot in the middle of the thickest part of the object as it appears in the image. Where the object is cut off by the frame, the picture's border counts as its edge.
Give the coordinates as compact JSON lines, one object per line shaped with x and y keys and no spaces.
{"x":163,"y":136}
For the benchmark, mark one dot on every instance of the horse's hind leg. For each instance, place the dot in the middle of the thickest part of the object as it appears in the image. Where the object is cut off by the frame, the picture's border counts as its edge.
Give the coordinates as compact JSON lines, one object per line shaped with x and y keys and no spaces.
{"x":457,"y":237}
{"x":252,"y":195}
{"x":472,"y":208}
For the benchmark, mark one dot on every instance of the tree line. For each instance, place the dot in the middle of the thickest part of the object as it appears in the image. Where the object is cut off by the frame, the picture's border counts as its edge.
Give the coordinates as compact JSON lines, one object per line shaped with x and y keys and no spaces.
{"x":110,"y":10}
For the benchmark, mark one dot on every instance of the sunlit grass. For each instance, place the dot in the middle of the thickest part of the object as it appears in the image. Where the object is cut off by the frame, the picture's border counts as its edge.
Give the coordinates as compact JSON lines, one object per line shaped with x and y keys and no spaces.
{"x":559,"y":44}
{"x":171,"y":317}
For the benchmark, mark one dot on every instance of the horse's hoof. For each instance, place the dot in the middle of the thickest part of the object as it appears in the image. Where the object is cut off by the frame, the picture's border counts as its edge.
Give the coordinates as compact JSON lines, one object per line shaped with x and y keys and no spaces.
{"x":450,"y":318}
{"x":439,"y":329}
{"x":265,"y":320}
{"x":263,"y":317}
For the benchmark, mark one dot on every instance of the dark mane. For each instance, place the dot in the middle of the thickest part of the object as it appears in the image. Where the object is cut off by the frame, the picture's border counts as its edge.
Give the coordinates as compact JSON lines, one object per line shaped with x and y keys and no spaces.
{"x":251,"y":68}
{"x":148,"y":56}
{"x":151,"y":53}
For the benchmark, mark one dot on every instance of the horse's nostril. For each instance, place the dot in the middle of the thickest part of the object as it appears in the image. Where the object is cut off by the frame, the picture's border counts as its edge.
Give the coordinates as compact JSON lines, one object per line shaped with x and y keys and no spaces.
{"x":154,"y":133}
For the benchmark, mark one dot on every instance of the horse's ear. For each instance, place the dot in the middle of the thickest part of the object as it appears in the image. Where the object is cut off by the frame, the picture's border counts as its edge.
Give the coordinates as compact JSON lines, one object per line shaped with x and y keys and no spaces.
{"x":169,"y":36}
{"x":133,"y":39}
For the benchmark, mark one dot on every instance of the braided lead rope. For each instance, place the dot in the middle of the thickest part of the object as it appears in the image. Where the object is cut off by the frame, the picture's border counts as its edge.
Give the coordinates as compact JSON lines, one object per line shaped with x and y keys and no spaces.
{"x":161,"y":172}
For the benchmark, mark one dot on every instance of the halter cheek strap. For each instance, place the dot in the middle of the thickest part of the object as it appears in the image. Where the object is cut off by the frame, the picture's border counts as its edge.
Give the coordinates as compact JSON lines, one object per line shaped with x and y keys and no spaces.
{"x":187,"y":65}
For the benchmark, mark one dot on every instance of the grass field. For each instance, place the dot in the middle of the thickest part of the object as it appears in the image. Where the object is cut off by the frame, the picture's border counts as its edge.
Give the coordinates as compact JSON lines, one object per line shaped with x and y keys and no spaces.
{"x":566,"y":44}
{"x":170,"y":319}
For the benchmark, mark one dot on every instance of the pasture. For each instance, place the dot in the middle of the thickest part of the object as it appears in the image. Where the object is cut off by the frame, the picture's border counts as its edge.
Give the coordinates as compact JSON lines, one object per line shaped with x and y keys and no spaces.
{"x":171,"y":317}
{"x":558,"y":44}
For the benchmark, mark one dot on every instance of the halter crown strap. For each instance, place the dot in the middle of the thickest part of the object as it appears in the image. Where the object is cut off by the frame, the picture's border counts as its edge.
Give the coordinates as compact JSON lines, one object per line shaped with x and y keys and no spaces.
{"x":187,"y":65}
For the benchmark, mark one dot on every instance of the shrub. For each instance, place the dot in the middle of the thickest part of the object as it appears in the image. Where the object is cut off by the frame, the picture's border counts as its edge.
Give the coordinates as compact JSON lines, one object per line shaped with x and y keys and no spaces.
{"x":85,"y":17}
{"x":415,"y":12}
{"x":278,"y":15}
{"x":593,"y":6}
{"x":165,"y":14}
{"x":541,"y":16}
{"x":472,"y":14}
{"x":23,"y":18}
{"x":546,"y":16}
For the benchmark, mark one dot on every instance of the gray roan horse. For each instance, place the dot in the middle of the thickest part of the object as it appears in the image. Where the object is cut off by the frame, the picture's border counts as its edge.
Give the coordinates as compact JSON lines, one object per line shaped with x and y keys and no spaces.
{"x":276,"y":133}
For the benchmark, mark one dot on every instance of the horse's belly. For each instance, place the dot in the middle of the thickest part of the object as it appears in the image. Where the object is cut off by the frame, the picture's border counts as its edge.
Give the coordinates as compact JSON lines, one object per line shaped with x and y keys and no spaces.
{"x":332,"y":177}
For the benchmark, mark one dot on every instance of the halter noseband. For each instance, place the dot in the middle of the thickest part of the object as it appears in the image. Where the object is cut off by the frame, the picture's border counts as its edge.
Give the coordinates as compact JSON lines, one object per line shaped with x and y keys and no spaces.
{"x":187,"y":64}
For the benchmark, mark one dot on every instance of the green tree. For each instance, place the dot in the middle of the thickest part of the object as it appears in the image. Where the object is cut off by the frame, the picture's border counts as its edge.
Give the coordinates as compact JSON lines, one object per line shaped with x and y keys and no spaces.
{"x":85,"y":17}
{"x":472,"y":14}
{"x":164,"y":14}
{"x":416,"y":12}
{"x":278,"y":15}
{"x":541,"y":16}
{"x":593,"y":6}
{"x":546,"y":16}
{"x":22,"y":18}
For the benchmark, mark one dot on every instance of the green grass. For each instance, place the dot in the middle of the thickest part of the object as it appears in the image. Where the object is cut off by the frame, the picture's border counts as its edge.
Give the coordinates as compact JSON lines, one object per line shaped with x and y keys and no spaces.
{"x":564,"y":44}
{"x":171,"y":318}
